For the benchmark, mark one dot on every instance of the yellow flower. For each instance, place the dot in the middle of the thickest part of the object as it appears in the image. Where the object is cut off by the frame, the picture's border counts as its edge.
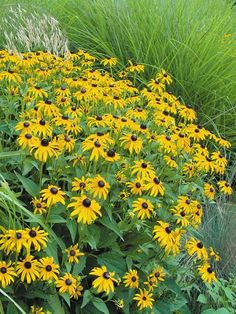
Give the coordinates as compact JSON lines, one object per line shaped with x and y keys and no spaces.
{"x":14,"y":241}
{"x":225,"y":187}
{"x":109,"y":61}
{"x":134,"y":67}
{"x":53,"y":195}
{"x":167,"y":238}
{"x":144,"y":298}
{"x":214,"y":254}
{"x":28,"y":269}
{"x":67,"y":283}
{"x":99,"y":187}
{"x":40,"y":207}
{"x":7,"y":273}
{"x":207,"y":273}
{"x":209,"y":191}
{"x":142,"y":168}
{"x":158,"y":274}
{"x":73,"y":253}
{"x":144,"y":208}
{"x":131,"y":279}
{"x":155,"y":186}
{"x":137,"y":186}
{"x":80,"y":184}
{"x":48,"y":270}
{"x":44,"y":149}
{"x":37,"y":238}
{"x":96,"y":148}
{"x":104,"y":281}
{"x":37,"y":92}
{"x":87,"y":210}
{"x":132,"y":143}
{"x":196,"y":248}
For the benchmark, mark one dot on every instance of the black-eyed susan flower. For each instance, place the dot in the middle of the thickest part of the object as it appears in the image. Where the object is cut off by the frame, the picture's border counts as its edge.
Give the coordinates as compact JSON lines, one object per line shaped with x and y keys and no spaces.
{"x":143,"y":169}
{"x":28,"y":269}
{"x":151,"y":283}
{"x":144,"y":299}
{"x":155,"y":186}
{"x":7,"y":273}
{"x":73,"y":253}
{"x":134,"y":67}
{"x":78,"y":290}
{"x":14,"y":241}
{"x":42,"y":127}
{"x":167,"y":238}
{"x":38,"y":310}
{"x":95,"y":147}
{"x":37,"y":92}
{"x":99,"y":187}
{"x":111,"y":155}
{"x":132,"y":142}
{"x":44,"y":149}
{"x":170,"y":161}
{"x":196,"y":248}
{"x":24,"y":127}
{"x":27,"y":140}
{"x":48,"y":270}
{"x":11,"y":76}
{"x":53,"y":195}
{"x":86,"y":209}
{"x":131,"y":279}
{"x":66,"y":283}
{"x":207,"y":272}
{"x":137,"y":186}
{"x":37,"y":238}
{"x":80,"y":184}
{"x":111,"y":61}
{"x":164,"y":77}
{"x":209,"y":191}
{"x":225,"y":187}
{"x":40,"y":207}
{"x":143,"y":207}
{"x":105,"y":280}
{"x":158,"y":274}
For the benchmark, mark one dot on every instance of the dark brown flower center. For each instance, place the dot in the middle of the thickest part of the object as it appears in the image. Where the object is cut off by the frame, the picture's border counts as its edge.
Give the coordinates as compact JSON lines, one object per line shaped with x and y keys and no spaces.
{"x":134,"y":138}
{"x":42,"y":122}
{"x":72,"y":252}
{"x":111,"y":153}
{"x":68,"y":282}
{"x":106,"y":275}
{"x":133,"y":278}
{"x":44,"y":142}
{"x":3,"y":270}
{"x":101,"y":184}
{"x":48,"y":268}
{"x":168,"y":230}
{"x":200,"y":245}
{"x":138,"y":185}
{"x":210,"y":269}
{"x":157,"y":274}
{"x":32,"y":233}
{"x":97,"y":144}
{"x":144,"y":205}
{"x":86,"y":202}
{"x":18,"y":235}
{"x":26,"y":124}
{"x":144,"y":165}
{"x":28,"y":265}
{"x":54,"y":190}
{"x":28,"y":136}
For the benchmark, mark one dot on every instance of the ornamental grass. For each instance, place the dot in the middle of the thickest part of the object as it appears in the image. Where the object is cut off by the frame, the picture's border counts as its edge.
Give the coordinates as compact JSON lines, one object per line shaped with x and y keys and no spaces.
{"x":108,"y":184}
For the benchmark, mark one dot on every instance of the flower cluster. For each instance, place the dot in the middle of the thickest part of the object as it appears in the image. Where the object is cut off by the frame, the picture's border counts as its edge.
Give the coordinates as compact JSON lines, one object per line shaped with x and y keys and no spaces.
{"x":125,"y":171}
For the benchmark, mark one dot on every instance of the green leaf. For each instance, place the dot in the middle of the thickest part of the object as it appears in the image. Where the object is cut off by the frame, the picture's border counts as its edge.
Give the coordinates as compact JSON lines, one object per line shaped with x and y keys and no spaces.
{"x":72,"y":226}
{"x":86,"y":298}
{"x":112,"y":225}
{"x":53,"y":301}
{"x":56,"y":219}
{"x":129,"y":262}
{"x":113,"y":262}
{"x":202,"y":299}
{"x":173,"y":286}
{"x":12,"y":154}
{"x":29,"y":185}
{"x":100,"y":305}
{"x":66,"y":297}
